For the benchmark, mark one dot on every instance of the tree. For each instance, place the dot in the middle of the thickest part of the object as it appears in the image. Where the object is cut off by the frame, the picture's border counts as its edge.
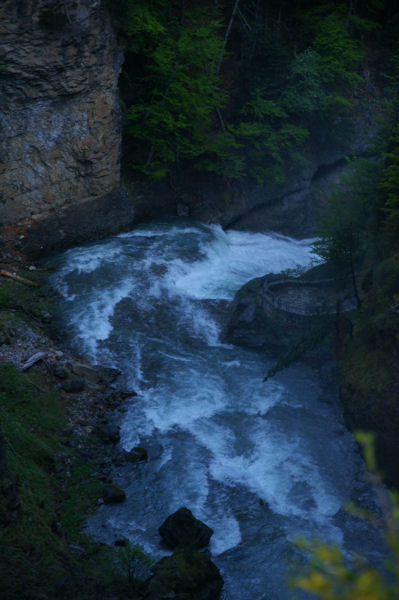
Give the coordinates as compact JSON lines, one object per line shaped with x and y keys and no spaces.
{"x":268,"y":137}
{"x":341,"y":246}
{"x":348,"y":229}
{"x":280,"y":68}
{"x":178,"y":93}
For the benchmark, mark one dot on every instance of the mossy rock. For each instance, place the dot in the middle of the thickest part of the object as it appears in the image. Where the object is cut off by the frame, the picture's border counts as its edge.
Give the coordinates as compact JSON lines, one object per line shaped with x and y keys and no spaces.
{"x":186,"y":575}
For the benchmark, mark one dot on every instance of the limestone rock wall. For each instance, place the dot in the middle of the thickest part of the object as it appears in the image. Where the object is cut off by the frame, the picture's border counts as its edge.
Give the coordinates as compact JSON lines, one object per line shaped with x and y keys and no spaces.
{"x":59,"y":111}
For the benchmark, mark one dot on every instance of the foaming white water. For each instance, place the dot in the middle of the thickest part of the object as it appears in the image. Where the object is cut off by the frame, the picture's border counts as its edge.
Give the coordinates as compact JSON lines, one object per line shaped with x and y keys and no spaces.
{"x":271,"y":470}
{"x":195,"y":398}
{"x":216,"y":264}
{"x":160,"y":232}
{"x":201,"y":322}
{"x":88,"y":259}
{"x":226,"y":535}
{"x":234,"y":257}
{"x":91,"y":322}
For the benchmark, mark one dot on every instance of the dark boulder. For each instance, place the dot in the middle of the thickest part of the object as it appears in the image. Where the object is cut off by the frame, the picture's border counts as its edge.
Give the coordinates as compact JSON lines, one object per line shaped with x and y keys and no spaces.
{"x":57,"y":370}
{"x":188,"y":575}
{"x":183,"y":530}
{"x":73,"y":386}
{"x":113,"y":495}
{"x":137,"y":454}
{"x":109,"y":375}
{"x":108,"y":433}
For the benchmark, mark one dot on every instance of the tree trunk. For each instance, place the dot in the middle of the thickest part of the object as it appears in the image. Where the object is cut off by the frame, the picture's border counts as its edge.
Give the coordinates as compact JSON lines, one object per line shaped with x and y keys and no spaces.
{"x":354,"y":281}
{"x":226,"y":37}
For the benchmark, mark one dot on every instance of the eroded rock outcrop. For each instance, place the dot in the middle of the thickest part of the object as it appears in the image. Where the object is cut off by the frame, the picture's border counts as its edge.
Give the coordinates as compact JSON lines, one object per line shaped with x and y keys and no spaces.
{"x":277,"y":313}
{"x":60,"y":119}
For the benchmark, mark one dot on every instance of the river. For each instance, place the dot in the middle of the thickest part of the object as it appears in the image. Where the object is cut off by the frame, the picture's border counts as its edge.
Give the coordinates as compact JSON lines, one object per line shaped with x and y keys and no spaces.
{"x":258,"y":462}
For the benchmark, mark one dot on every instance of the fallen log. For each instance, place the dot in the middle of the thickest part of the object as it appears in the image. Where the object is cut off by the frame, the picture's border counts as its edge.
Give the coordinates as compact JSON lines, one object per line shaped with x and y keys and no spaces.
{"x":18,"y":278}
{"x":33,"y":360}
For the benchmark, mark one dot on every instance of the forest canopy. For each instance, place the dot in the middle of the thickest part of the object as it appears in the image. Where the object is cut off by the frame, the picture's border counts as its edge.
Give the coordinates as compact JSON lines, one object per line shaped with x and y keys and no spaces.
{"x":240,"y":88}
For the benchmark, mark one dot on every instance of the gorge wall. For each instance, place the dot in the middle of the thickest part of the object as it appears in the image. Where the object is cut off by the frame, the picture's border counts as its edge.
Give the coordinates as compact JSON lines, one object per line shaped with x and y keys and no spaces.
{"x":59,"y":111}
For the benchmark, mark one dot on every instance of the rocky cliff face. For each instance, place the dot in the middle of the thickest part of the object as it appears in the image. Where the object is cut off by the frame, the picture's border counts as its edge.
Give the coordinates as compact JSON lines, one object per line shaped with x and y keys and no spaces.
{"x":59,"y":113}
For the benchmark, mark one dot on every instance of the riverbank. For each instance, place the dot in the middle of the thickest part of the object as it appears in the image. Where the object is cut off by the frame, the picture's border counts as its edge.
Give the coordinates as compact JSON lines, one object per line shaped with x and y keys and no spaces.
{"x":57,"y":449}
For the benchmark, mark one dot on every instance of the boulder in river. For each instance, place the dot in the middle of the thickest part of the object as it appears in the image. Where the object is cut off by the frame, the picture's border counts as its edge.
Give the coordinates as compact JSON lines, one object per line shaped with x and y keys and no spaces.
{"x":95,"y":374}
{"x":137,"y":454}
{"x":188,"y":575}
{"x":113,"y":495}
{"x":183,"y":530}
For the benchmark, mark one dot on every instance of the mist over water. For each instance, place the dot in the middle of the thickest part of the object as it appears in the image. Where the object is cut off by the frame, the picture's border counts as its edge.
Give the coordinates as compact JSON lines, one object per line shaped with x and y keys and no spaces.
{"x":258,"y":462}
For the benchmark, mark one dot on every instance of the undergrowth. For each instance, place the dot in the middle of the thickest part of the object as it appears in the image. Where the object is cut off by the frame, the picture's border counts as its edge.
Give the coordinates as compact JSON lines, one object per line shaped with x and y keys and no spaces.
{"x":43,"y":552}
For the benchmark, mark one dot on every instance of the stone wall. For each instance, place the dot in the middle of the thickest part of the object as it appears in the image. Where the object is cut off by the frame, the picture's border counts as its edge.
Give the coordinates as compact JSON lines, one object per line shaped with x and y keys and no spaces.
{"x":305,"y":297}
{"x":272,"y":313}
{"x":59,"y":110}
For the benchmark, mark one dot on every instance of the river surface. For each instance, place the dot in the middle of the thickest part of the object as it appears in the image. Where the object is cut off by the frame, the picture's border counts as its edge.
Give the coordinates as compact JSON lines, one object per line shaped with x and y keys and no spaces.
{"x":258,"y":462}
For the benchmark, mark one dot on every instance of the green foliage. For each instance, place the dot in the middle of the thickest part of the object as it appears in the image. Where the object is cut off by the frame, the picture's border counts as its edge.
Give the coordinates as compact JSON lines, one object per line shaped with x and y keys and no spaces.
{"x":268,"y":138}
{"x":175,"y":98}
{"x":35,"y":557}
{"x":28,"y":420}
{"x":285,"y":87}
{"x":304,"y":92}
{"x":135,"y":563}
{"x":330,"y":577}
{"x":342,"y":242}
{"x":369,"y":364}
{"x":139,"y":21}
{"x":223,"y":156}
{"x":293,"y":88}
{"x":339,"y":53}
{"x":322,"y":78}
{"x":347,"y":229}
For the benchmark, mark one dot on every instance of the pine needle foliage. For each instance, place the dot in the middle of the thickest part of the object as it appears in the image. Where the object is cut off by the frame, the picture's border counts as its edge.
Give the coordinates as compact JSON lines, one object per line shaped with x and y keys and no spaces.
{"x":296,"y":69}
